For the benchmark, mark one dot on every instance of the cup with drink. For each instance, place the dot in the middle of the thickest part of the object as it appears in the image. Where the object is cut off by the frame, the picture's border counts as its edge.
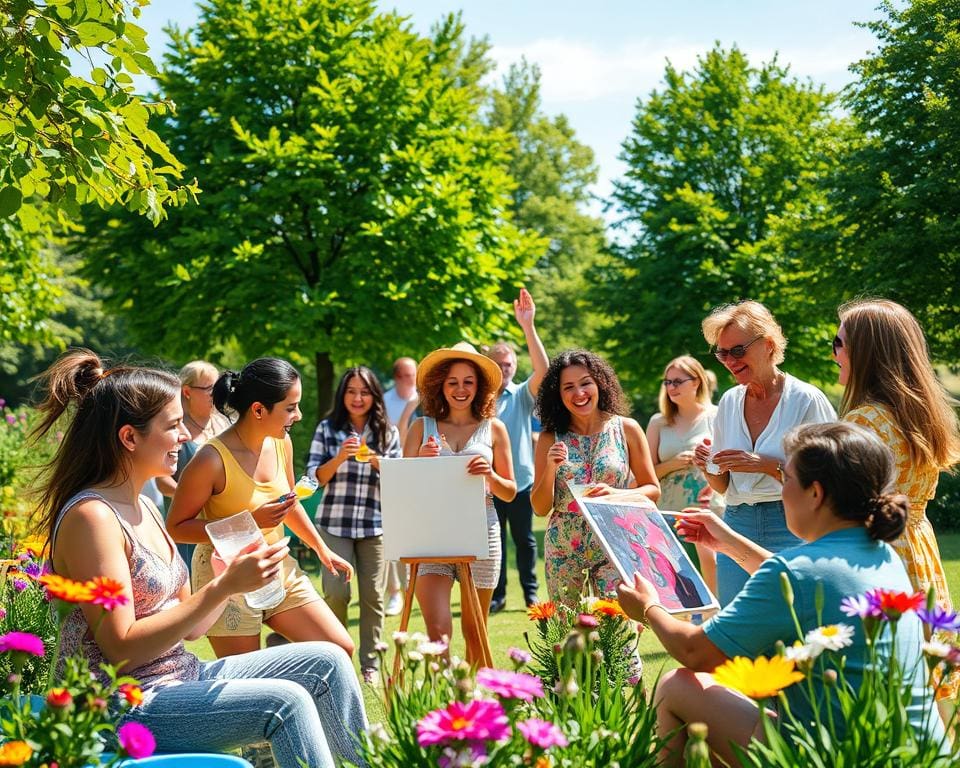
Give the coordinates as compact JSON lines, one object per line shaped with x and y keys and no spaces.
{"x":232,"y":535}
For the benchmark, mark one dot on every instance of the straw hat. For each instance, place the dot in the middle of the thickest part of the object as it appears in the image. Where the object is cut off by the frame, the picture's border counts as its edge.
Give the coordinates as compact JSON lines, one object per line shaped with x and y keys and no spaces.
{"x":461,"y":351}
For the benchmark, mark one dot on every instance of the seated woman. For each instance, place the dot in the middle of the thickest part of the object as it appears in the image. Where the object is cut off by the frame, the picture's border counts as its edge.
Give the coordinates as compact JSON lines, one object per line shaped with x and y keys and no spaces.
{"x":833,"y":495}
{"x":125,"y":426}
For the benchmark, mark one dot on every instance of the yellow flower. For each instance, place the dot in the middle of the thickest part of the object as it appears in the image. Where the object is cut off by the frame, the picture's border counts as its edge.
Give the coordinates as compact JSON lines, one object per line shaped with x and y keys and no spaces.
{"x":760,"y":678}
{"x":15,"y":753}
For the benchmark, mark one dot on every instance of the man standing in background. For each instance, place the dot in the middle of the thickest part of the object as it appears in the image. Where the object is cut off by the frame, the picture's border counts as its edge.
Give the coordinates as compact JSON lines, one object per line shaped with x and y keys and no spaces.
{"x":515,"y":406}
{"x":403,"y":391}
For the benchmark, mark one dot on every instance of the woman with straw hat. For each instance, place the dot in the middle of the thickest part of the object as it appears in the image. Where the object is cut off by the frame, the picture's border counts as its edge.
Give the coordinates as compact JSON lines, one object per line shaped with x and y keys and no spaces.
{"x":458,"y":392}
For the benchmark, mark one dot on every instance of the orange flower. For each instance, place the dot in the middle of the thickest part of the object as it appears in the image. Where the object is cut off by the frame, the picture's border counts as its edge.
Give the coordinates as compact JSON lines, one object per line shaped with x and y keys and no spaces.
{"x":132,"y":693}
{"x":68,"y":590}
{"x":608,"y":608}
{"x":58,"y":698}
{"x":15,"y":753}
{"x":541,"y":611}
{"x":106,"y":593}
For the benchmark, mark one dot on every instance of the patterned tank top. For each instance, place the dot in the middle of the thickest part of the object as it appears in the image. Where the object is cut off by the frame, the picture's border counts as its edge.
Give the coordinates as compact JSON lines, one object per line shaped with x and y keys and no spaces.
{"x":156,"y":587}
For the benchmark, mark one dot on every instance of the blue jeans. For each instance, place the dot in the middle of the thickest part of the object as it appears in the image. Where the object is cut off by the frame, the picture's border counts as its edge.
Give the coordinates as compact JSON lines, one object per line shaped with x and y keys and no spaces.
{"x":519,"y":514}
{"x":304,"y":698}
{"x":764,"y":524}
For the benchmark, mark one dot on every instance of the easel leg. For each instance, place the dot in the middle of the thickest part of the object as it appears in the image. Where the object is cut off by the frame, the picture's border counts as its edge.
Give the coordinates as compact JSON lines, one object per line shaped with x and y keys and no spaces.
{"x":468,"y":596}
{"x":405,"y":618}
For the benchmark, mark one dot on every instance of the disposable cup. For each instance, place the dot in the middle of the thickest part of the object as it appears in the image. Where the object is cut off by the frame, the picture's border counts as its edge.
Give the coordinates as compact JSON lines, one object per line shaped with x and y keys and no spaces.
{"x":232,"y":534}
{"x":306,"y":486}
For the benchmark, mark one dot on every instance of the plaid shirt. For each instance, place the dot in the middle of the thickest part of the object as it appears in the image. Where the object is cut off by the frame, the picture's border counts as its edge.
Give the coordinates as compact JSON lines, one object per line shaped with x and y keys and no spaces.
{"x":350,"y":507}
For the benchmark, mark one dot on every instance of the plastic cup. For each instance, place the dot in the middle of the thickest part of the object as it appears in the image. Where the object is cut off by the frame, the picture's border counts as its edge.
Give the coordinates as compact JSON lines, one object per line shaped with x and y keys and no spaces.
{"x":363,"y":453}
{"x":233,"y":534}
{"x":305,"y":488}
{"x":712,"y":467}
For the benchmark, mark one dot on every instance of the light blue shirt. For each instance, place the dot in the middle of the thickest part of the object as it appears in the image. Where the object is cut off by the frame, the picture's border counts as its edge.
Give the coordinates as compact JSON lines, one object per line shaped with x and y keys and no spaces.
{"x":847,"y":562}
{"x":515,"y":409}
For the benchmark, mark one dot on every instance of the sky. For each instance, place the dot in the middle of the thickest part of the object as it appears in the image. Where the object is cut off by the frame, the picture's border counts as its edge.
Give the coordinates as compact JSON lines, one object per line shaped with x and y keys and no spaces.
{"x":597,"y":58}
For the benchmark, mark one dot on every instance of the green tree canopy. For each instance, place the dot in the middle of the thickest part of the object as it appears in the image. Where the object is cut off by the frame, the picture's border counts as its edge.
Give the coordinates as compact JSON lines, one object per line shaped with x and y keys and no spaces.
{"x":66,"y":140}
{"x":354,"y":207}
{"x":715,"y":158}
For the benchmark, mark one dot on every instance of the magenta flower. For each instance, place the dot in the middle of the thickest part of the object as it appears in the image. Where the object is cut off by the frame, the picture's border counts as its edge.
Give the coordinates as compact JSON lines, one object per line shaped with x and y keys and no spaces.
{"x":33,"y":569}
{"x":11,"y":419}
{"x":468,"y":756}
{"x":2,"y":402}
{"x":3,"y":613}
{"x":136,"y":740}
{"x":19,"y":585}
{"x":477,"y":720}
{"x":510,"y":685}
{"x":940,"y":619}
{"x":587,"y":621}
{"x":21,"y":642}
{"x":860,"y":605}
{"x":541,"y":733}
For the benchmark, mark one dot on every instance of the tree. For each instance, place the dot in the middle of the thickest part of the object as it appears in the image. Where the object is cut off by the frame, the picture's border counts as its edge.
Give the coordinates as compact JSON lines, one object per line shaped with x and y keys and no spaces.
{"x":716,"y":159}
{"x":553,"y":172}
{"x":66,"y":141}
{"x":897,"y":192}
{"x":355,"y":207}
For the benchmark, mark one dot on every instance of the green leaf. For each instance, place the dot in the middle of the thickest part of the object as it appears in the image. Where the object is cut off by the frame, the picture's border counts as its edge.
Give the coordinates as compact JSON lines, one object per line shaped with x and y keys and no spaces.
{"x":10,"y":201}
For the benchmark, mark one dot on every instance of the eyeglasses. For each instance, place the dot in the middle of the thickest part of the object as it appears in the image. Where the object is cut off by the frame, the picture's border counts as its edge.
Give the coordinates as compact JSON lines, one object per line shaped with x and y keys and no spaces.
{"x":837,"y":344}
{"x":735,"y":352}
{"x":675,"y":382}
{"x":207,"y":389}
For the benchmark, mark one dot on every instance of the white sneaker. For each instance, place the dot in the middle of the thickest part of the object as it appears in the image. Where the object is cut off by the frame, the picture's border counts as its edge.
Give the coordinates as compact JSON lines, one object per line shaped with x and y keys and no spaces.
{"x":394,"y":604}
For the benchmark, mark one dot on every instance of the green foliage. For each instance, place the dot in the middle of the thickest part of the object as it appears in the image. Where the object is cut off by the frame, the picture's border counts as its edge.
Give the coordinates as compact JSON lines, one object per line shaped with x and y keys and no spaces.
{"x":944,"y":509}
{"x":896,"y":194}
{"x":66,"y":140}
{"x":355,"y":206}
{"x":25,"y":609}
{"x":714,"y":159}
{"x":19,"y":461}
{"x":553,"y":172}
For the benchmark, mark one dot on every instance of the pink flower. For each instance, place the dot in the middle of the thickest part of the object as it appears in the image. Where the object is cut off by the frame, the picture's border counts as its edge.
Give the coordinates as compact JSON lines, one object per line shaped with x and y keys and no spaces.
{"x":587,"y":621}
{"x":541,"y":733}
{"x":136,"y":740}
{"x":519,"y":656}
{"x":860,"y":605}
{"x":11,"y":419}
{"x":3,"y":613}
{"x":21,"y":642}
{"x":477,"y":720}
{"x":468,"y":756}
{"x":510,"y":685}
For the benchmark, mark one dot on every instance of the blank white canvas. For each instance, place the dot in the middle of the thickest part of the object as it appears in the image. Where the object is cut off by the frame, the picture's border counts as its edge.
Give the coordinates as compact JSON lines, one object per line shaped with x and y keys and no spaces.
{"x":431,"y":507}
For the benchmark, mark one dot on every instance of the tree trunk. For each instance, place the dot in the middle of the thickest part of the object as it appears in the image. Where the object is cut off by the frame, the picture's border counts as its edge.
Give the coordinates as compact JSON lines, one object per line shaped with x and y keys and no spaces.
{"x":324,"y":383}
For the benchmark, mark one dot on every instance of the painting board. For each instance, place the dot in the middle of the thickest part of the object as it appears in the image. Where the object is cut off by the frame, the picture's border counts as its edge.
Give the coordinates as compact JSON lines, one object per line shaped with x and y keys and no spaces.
{"x":431,"y":507}
{"x":636,"y":537}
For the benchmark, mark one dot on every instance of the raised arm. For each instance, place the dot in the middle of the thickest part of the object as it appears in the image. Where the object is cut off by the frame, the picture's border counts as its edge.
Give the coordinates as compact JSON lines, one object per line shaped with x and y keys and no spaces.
{"x":524,"y":309}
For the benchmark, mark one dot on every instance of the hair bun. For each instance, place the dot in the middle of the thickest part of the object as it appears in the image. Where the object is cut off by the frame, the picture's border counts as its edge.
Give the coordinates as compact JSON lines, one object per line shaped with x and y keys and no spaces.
{"x":886,"y":515}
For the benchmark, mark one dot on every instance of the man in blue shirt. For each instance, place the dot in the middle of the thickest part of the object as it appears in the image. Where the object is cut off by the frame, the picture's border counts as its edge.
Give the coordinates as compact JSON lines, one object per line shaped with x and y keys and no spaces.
{"x":515,"y":406}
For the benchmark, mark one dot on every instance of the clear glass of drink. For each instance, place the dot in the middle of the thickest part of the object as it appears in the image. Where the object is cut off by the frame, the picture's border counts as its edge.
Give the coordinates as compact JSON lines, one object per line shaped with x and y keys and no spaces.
{"x":306,"y":486}
{"x":231,"y":535}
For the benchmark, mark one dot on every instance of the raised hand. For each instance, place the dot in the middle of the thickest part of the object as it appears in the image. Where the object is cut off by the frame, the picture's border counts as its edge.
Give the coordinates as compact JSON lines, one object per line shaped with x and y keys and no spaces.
{"x":524,"y":309}
{"x":430,"y":448}
{"x":557,"y":453}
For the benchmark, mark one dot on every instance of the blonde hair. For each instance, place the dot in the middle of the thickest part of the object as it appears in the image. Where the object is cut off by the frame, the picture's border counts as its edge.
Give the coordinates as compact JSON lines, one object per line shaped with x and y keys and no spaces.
{"x":750,"y":316}
{"x":890,"y":366}
{"x":193,"y":371}
{"x":690,"y":366}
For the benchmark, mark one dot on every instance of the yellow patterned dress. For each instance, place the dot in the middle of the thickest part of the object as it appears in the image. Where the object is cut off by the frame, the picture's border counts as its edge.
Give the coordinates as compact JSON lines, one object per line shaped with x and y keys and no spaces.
{"x":917,"y":545}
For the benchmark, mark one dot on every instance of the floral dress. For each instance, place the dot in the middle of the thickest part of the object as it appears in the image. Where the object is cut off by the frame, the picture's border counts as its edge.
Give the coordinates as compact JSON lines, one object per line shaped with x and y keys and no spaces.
{"x":570,"y":546}
{"x":917,"y":545}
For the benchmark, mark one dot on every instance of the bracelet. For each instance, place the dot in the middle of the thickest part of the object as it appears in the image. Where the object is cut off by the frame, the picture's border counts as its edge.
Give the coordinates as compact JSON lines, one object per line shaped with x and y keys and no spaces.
{"x":646,"y":610}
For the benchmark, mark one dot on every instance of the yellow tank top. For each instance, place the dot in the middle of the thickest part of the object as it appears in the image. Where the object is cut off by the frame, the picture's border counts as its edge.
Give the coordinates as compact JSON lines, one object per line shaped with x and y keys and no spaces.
{"x":243,"y":492}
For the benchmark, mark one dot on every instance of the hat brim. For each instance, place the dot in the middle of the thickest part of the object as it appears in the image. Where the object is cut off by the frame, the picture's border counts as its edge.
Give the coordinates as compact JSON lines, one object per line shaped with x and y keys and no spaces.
{"x":487,"y":367}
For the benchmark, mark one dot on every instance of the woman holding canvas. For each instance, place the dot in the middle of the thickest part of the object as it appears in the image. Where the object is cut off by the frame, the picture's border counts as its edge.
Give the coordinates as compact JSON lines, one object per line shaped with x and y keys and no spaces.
{"x":458,"y":392}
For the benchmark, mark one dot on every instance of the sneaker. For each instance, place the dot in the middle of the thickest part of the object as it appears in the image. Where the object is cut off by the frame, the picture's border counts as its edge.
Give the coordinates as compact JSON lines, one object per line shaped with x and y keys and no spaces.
{"x":394,"y":604}
{"x":498,"y":605}
{"x":370,"y":676}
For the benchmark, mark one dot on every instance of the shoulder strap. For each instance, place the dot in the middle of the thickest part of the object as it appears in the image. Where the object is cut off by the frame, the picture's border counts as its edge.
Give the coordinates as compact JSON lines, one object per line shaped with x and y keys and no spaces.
{"x":84,"y":496}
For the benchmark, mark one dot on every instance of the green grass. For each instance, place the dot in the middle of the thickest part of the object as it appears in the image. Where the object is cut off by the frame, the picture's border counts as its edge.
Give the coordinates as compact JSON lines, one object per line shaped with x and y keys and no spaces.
{"x":507,"y":628}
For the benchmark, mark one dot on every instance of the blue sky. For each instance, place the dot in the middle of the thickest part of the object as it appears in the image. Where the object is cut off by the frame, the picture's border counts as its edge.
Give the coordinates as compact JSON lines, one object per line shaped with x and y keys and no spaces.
{"x":598,"y":57}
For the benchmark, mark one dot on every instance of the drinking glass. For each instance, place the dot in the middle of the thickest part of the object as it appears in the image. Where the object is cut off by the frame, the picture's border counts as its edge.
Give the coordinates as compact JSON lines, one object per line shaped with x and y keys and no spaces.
{"x":233,"y":534}
{"x":306,"y":486}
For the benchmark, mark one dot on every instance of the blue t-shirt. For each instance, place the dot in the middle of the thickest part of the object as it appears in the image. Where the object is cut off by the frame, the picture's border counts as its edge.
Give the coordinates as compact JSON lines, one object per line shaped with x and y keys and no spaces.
{"x":514,"y":409}
{"x":847,"y":562}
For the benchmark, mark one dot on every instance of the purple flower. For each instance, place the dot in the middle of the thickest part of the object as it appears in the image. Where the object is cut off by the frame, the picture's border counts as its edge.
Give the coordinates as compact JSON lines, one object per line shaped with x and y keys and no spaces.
{"x":473,"y":721}
{"x":940,"y":619}
{"x":20,"y":585}
{"x":21,"y":642}
{"x":2,"y":402}
{"x":510,"y":685}
{"x":864,"y":606}
{"x":136,"y":740}
{"x":469,"y":756}
{"x":11,"y":419}
{"x":541,"y":733}
{"x":519,"y":656}
{"x":32,"y":569}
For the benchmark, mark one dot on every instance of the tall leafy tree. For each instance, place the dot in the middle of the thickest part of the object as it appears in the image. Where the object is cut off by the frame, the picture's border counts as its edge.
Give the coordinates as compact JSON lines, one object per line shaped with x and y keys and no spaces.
{"x":553,"y":172}
{"x":715,"y":158}
{"x":354,"y":204}
{"x":897,"y":193}
{"x":67,"y":139}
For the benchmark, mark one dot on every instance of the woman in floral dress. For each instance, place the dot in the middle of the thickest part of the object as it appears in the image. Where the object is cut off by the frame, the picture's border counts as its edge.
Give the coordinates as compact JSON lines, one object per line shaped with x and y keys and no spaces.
{"x":586,"y":440}
{"x":891,"y":389}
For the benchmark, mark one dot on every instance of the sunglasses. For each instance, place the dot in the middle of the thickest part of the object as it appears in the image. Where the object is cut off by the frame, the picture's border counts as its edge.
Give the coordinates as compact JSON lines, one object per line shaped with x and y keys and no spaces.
{"x":837,"y":344}
{"x":675,"y":382}
{"x":735,"y":352}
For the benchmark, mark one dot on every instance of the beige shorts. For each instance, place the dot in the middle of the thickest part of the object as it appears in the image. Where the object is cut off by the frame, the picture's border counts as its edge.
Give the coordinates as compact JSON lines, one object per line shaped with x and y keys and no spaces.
{"x":239,"y":619}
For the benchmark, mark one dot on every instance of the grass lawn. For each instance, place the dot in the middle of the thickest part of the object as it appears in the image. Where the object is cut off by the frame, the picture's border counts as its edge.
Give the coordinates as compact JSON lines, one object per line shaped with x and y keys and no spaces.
{"x":507,"y":628}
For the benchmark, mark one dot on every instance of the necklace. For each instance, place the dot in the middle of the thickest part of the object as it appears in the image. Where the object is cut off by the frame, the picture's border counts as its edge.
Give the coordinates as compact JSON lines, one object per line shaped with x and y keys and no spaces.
{"x":197,"y":424}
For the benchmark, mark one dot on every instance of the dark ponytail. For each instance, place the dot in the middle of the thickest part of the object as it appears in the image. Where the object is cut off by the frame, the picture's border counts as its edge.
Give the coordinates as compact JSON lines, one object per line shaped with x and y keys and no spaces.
{"x":855,"y":470}
{"x":266,"y":380}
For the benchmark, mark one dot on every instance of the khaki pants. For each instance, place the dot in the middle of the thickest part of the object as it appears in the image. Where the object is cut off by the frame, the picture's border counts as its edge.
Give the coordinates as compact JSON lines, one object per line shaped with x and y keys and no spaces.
{"x":366,"y":556}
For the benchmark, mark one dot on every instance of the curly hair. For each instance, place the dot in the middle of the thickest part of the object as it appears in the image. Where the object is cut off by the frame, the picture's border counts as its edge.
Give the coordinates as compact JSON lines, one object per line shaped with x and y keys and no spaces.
{"x":554,"y":416}
{"x":435,"y":405}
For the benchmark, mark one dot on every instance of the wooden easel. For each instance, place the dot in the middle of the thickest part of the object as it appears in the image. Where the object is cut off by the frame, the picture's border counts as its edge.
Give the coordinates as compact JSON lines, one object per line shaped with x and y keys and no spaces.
{"x":468,"y":594}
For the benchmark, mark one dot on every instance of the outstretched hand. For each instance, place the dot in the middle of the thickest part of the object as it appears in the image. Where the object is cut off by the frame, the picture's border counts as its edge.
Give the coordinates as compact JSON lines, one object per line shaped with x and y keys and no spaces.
{"x":703,"y":528}
{"x":524,"y":309}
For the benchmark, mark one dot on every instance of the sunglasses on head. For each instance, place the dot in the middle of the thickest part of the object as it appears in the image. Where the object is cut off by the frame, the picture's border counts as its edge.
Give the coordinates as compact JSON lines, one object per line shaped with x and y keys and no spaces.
{"x":735,"y":352}
{"x":837,"y":344}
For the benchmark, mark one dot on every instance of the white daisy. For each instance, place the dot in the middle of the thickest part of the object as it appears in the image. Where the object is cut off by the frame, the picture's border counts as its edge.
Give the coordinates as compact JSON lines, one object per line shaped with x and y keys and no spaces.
{"x":801,"y":653}
{"x":831,"y":637}
{"x":936,"y":649}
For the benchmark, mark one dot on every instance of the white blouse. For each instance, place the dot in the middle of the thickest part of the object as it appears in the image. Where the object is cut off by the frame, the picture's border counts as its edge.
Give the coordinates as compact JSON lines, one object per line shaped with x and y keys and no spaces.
{"x":800,"y":403}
